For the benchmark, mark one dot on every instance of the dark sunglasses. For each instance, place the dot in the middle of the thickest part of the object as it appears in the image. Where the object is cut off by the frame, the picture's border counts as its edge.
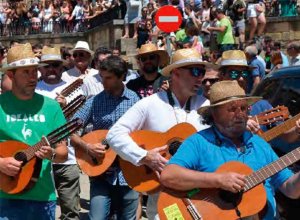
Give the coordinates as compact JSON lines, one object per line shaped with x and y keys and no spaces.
{"x":78,"y":54}
{"x":196,"y":71}
{"x":211,"y":81}
{"x":150,"y":57}
{"x":236,"y":74}
{"x":54,"y":65}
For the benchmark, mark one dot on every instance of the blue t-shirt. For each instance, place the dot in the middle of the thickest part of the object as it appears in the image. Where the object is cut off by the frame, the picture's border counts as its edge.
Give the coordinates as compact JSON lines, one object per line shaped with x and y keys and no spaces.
{"x":204,"y":152}
{"x":258,"y":71}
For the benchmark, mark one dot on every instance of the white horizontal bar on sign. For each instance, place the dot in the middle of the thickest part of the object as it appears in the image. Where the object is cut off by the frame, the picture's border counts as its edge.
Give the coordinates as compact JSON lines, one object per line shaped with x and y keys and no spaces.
{"x":168,"y":18}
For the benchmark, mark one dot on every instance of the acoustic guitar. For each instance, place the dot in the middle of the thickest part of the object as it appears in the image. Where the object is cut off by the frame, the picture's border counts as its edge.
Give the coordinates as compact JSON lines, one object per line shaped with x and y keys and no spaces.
{"x":73,"y":106}
{"x":279,"y":113}
{"x":90,"y":165}
{"x":142,"y":178}
{"x":279,"y":129}
{"x":31,"y":165}
{"x":211,"y":204}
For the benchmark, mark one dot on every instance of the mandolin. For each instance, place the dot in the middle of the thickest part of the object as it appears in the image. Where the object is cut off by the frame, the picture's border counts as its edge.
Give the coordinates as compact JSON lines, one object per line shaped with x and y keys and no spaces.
{"x":142,"y":178}
{"x":31,"y":165}
{"x":73,"y":106}
{"x":72,"y":87}
{"x":90,"y":165}
{"x":211,"y":204}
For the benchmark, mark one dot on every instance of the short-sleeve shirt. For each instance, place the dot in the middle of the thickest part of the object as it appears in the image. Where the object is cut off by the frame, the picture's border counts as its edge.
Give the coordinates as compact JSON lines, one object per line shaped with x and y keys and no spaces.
{"x":28,"y":121}
{"x":209,"y":149}
{"x":225,"y":37}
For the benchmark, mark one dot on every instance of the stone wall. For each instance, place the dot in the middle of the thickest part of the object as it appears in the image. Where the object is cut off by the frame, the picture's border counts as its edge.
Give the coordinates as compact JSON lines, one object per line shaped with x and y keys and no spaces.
{"x":283,"y":29}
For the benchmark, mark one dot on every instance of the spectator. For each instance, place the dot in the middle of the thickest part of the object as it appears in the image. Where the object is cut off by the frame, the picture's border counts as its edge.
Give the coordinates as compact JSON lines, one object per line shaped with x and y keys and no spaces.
{"x":35,"y":23}
{"x":224,"y":37}
{"x":257,"y":19}
{"x":132,"y":14}
{"x":258,"y":70}
{"x":77,"y":16}
{"x":46,"y":14}
{"x":140,"y":29}
{"x":37,"y":50}
{"x":193,"y":37}
{"x":67,"y":56}
{"x":285,"y":59}
{"x":66,"y":10}
{"x":293,"y":50}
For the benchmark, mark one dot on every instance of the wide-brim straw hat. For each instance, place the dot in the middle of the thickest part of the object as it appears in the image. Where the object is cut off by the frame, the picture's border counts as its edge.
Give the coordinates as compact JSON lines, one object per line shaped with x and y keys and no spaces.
{"x":227,"y":91}
{"x":150,"y":48}
{"x":51,"y":54}
{"x":185,"y":57}
{"x":234,"y":58}
{"x":83,"y":46}
{"x":21,"y":56}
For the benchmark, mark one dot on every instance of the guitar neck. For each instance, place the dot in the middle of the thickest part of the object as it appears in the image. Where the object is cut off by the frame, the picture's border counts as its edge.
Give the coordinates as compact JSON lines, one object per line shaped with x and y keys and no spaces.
{"x":279,"y":129}
{"x":53,"y":138}
{"x":264,"y":173}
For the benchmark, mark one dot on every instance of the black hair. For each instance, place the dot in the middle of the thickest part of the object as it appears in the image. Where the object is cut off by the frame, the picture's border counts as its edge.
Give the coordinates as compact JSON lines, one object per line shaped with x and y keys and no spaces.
{"x":207,"y":117}
{"x":115,"y":65}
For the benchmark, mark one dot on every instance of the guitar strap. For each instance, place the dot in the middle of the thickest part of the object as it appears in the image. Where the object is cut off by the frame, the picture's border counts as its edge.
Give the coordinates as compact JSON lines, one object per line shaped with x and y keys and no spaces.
{"x":172,"y":101}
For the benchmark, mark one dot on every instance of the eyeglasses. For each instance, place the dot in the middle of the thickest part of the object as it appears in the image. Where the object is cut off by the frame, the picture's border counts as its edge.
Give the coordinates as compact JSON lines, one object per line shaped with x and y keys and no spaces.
{"x":196,"y":71}
{"x":211,"y":81}
{"x":236,"y":74}
{"x":79,"y":54}
{"x":54,"y":65}
{"x":150,"y":57}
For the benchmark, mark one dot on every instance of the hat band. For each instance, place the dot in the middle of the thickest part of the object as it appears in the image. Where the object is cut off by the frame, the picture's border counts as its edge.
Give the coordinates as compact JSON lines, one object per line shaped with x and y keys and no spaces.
{"x":188,"y":60}
{"x":229,"y":98}
{"x":234,"y":62}
{"x":50,"y":57}
{"x":24,"y":62}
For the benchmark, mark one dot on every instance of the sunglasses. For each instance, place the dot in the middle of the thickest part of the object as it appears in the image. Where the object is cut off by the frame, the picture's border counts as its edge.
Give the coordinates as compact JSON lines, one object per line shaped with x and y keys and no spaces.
{"x":150,"y":57}
{"x":54,"y":65}
{"x":79,"y":54}
{"x":211,"y":81}
{"x":236,"y":74}
{"x":196,"y":71}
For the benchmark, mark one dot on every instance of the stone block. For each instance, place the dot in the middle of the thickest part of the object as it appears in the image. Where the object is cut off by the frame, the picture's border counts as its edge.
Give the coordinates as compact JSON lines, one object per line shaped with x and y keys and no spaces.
{"x":275,"y":36}
{"x":286,"y":36}
{"x":297,"y":35}
{"x":273,"y":27}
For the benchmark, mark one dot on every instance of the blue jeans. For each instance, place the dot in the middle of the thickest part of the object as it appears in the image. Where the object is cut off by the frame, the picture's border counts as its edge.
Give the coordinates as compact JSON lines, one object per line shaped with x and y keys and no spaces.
{"x":104,"y":196}
{"x":11,"y":209}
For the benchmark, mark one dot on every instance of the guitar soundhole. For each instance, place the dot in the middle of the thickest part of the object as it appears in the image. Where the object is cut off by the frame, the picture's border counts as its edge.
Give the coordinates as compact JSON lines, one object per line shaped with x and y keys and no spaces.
{"x":21,"y":156}
{"x":173,"y":147}
{"x":230,"y":197}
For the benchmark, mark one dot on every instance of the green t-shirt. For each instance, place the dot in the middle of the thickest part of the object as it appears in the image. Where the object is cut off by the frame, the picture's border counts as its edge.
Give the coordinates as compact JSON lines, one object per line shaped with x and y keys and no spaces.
{"x":225,"y":37}
{"x":27,"y":121}
{"x":180,"y":35}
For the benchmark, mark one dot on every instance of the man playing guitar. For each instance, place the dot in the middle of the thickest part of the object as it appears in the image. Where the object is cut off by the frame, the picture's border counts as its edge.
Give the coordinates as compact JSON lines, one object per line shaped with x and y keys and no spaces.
{"x":194,"y":164}
{"x":161,"y":111}
{"x":27,"y":117}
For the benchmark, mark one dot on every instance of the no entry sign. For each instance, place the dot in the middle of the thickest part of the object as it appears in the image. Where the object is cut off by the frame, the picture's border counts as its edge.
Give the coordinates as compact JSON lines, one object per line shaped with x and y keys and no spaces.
{"x":168,"y":19}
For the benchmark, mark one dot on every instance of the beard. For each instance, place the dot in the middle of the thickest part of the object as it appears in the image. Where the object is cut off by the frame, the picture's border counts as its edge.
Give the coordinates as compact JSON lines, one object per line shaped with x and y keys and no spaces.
{"x":150,"y":69}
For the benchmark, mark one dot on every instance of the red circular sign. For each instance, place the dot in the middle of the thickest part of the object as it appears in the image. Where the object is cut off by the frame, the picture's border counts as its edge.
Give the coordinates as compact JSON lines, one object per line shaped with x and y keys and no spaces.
{"x":168,"y":19}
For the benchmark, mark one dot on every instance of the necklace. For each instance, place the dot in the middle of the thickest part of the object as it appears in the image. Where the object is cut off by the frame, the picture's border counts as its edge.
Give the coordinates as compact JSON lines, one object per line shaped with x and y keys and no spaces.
{"x":172,"y":103}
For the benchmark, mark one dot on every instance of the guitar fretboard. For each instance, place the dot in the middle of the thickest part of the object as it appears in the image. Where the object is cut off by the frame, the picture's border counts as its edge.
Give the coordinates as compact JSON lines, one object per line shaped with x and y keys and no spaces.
{"x":279,"y":129}
{"x":264,"y":173}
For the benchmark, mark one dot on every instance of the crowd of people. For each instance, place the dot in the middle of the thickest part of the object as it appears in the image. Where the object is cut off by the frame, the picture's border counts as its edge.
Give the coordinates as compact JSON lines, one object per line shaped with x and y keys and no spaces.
{"x":207,"y":85}
{"x":50,"y":16}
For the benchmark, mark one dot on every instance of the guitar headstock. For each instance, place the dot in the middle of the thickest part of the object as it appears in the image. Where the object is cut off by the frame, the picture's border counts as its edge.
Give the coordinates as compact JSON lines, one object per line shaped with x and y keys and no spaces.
{"x":279,"y":113}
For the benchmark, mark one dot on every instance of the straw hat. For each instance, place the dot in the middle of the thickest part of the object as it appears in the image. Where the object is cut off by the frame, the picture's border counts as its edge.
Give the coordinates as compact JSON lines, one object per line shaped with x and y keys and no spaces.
{"x":51,"y":54}
{"x":19,"y":56}
{"x":234,"y":58}
{"x":152,"y":49}
{"x":82,"y":45}
{"x":185,"y":57}
{"x":227,"y":91}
